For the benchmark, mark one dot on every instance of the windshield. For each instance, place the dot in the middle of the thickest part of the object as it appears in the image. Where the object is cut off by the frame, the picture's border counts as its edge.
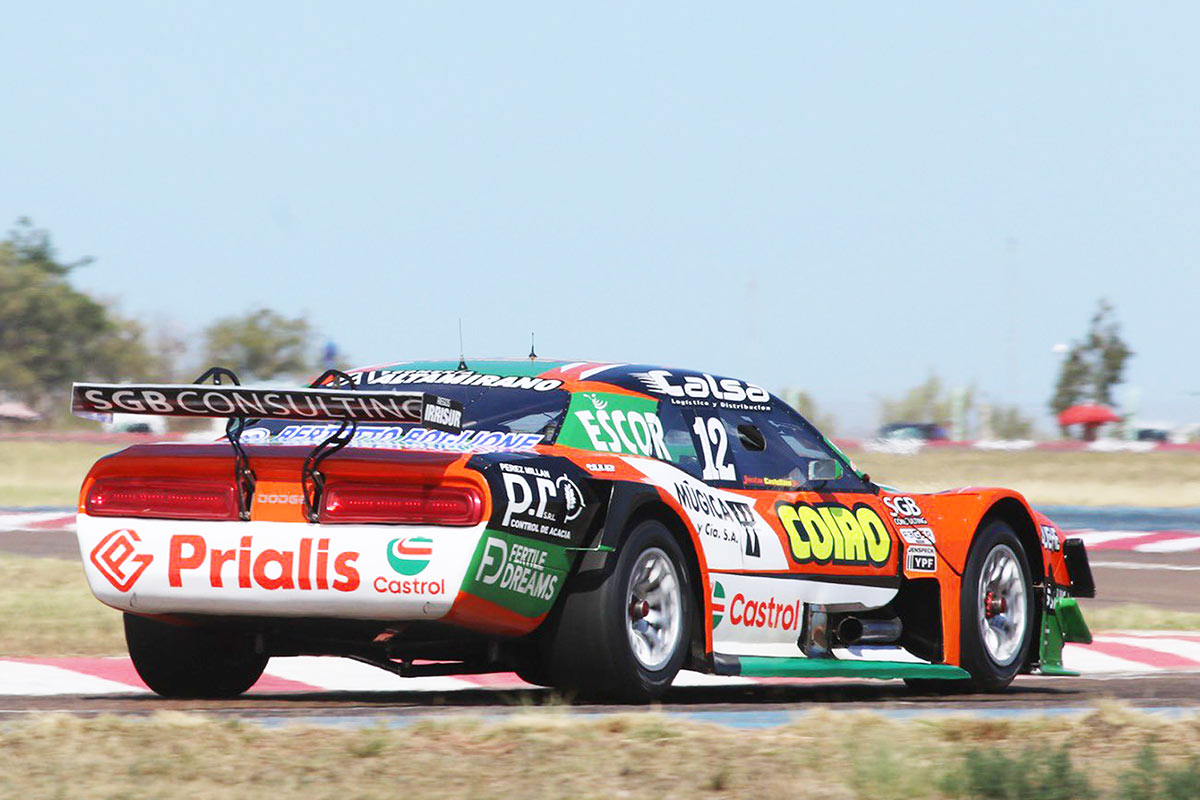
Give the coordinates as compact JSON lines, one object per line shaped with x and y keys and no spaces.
{"x":494,"y":418}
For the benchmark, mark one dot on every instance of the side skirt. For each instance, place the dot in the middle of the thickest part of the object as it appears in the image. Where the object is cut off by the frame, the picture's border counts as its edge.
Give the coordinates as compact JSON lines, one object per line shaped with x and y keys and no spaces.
{"x":763,"y":666}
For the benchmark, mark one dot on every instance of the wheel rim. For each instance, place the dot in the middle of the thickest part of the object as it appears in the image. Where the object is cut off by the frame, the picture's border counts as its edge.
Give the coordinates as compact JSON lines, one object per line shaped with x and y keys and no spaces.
{"x":654,"y":609}
{"x":1002,"y":605}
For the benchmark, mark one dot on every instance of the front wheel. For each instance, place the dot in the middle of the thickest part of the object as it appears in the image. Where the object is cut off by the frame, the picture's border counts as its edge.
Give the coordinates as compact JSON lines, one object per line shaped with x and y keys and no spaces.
{"x":179,"y":661}
{"x":626,"y":637}
{"x":997,"y":611}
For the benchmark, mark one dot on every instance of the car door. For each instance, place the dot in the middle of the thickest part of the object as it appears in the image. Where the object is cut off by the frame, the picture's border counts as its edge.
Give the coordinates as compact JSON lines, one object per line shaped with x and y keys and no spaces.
{"x":823,"y":543}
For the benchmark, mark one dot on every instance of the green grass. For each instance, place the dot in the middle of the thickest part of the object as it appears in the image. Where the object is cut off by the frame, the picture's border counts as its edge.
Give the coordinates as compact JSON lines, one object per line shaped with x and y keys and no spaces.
{"x":1108,"y":754}
{"x":46,"y":609}
{"x":1138,"y":617}
{"x":45,"y":473}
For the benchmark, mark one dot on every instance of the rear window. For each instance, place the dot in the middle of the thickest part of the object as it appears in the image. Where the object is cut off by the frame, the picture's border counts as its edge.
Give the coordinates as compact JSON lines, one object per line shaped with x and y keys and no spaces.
{"x":494,"y":418}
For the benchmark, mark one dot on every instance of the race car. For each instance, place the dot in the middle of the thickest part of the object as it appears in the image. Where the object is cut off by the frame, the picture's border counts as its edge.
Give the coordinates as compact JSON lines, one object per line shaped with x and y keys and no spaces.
{"x":595,"y":527}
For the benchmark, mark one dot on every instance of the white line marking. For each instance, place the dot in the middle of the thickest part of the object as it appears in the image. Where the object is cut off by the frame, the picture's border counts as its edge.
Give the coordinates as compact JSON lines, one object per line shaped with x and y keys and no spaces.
{"x":1130,"y":565}
{"x":17,"y":677}
{"x":1181,"y":545}
{"x":1087,"y":660}
{"x":343,"y":675}
{"x":1179,"y":647}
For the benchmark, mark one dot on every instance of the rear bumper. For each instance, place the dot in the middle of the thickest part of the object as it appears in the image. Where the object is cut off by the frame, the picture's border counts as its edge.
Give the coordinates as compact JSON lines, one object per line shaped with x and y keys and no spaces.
{"x":276,"y":569}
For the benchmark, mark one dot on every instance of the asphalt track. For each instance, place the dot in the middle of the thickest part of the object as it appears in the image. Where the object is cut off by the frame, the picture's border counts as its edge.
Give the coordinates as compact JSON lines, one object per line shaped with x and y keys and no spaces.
{"x":1165,"y":579}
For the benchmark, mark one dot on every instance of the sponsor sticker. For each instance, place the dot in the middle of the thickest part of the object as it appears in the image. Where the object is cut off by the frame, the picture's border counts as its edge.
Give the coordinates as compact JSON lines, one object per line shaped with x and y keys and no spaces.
{"x":441,"y":414}
{"x":905,"y":511}
{"x":398,"y":438}
{"x":722,"y":518}
{"x":748,"y":611}
{"x":517,"y":573}
{"x":1050,"y":539}
{"x":704,"y":389}
{"x":614,"y":423}
{"x":455,"y":377}
{"x":919,"y":558}
{"x":410,"y":556}
{"x":831,"y":533}
{"x":118,"y":559}
{"x":917,"y":535}
{"x":309,"y":567}
{"x":718,"y":603}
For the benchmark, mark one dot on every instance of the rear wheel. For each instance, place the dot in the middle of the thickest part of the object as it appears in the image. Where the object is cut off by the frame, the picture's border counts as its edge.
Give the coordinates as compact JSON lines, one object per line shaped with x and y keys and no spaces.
{"x":179,"y":661}
{"x":626,"y":637}
{"x":996,"y":614}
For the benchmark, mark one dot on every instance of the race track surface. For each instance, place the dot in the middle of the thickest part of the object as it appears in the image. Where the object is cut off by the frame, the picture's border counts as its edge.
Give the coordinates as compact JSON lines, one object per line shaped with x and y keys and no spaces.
{"x":1156,"y":670}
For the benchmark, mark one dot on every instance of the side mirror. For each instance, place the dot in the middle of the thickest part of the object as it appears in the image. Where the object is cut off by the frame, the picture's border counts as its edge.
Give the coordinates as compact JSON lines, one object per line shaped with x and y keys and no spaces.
{"x":824,"y":469}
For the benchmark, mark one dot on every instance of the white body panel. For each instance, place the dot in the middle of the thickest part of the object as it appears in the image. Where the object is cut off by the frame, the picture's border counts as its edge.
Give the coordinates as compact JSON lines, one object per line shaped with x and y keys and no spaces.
{"x":279,"y":569}
{"x":732,"y":533}
{"x":761,"y":616}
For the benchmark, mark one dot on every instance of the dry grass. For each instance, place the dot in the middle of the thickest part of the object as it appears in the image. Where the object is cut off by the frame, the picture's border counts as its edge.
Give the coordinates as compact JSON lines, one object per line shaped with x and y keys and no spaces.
{"x":1049,"y":478}
{"x":547,"y":754}
{"x":1137,"y":617}
{"x":45,"y":473}
{"x":46,"y":609}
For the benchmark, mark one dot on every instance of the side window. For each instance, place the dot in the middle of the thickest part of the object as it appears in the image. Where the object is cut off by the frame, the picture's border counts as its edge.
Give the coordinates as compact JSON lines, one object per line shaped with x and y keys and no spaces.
{"x":762,"y":450}
{"x":681,"y":449}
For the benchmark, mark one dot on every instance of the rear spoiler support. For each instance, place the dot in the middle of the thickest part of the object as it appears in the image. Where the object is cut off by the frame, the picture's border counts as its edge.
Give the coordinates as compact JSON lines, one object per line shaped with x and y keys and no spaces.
{"x":312,"y":480}
{"x":243,"y":475}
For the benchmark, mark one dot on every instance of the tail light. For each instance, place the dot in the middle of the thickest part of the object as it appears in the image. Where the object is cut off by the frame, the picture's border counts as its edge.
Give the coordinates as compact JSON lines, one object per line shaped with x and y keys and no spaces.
{"x":408,"y":505}
{"x":183,"y":498}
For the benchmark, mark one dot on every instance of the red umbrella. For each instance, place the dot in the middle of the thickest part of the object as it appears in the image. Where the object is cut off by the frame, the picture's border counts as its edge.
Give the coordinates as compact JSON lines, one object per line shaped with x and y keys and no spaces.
{"x":1087,"y":414}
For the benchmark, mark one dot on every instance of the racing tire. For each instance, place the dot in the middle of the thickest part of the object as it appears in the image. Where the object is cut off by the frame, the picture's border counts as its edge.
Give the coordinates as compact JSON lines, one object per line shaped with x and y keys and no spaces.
{"x":186,"y":662}
{"x":624,"y":638}
{"x":531,"y":668}
{"x":996,"y":608}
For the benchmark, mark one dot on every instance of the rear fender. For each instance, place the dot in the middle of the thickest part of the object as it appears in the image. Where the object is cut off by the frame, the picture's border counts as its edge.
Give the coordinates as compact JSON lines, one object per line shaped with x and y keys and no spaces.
{"x":630,"y":503}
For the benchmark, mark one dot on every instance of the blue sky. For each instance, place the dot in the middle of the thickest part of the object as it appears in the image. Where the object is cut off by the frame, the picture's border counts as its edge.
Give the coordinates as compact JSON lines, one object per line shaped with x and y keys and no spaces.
{"x":841,"y":199}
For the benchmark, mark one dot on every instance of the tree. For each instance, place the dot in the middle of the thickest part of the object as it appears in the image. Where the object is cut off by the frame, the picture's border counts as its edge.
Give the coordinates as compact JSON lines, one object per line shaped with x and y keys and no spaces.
{"x":261,"y":344}
{"x":926,"y":402}
{"x":52,"y":334}
{"x":1007,"y":422}
{"x":1094,"y":366}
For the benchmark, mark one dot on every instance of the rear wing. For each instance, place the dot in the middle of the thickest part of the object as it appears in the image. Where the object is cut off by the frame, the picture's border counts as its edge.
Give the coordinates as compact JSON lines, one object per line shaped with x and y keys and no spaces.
{"x":238,"y":404}
{"x":195,"y":400}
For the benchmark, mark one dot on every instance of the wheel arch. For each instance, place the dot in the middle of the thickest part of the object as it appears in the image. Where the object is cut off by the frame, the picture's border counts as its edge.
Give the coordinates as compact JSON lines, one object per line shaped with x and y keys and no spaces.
{"x":1017,"y":515}
{"x":629,"y":505}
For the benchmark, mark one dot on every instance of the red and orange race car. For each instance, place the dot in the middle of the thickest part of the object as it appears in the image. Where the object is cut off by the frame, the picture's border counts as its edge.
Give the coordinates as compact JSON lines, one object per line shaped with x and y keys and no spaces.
{"x":594,"y":527}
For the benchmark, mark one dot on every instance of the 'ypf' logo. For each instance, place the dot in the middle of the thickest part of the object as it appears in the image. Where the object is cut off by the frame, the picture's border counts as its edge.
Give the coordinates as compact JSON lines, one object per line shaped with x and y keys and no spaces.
{"x":118,"y":560}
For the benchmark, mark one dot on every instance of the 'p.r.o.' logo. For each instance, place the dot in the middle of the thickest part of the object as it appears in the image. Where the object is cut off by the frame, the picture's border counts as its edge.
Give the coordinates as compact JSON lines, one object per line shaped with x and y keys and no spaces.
{"x":117,"y":558}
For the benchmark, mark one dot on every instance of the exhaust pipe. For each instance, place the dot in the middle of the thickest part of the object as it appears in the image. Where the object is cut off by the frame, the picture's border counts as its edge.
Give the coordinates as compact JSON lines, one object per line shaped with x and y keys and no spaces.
{"x":852,"y":630}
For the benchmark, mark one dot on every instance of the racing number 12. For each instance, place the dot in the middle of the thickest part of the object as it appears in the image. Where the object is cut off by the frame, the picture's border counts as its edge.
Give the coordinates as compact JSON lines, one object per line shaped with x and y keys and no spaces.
{"x":712,"y":433}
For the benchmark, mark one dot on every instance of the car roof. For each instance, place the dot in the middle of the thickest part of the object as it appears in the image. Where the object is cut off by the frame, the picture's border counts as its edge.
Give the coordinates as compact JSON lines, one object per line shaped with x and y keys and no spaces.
{"x":642,"y":379}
